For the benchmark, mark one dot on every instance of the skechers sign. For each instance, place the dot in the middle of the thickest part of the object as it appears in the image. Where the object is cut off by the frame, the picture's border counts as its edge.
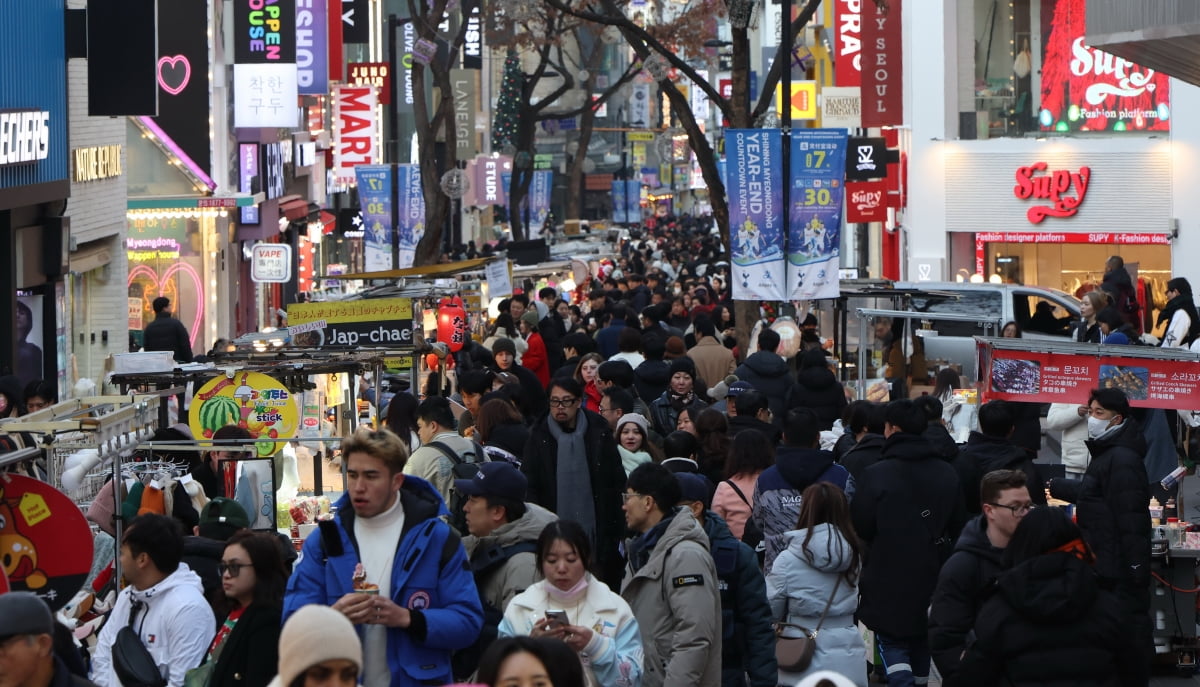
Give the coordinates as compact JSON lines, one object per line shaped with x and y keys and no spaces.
{"x":24,"y":137}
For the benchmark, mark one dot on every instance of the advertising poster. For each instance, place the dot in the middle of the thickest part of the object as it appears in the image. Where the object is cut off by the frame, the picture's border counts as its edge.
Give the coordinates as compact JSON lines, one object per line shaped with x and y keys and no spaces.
{"x":251,"y":400}
{"x":355,"y":125}
{"x":47,"y":541}
{"x":620,"y":214}
{"x":817,"y":195}
{"x":375,"y":199}
{"x":412,"y":212}
{"x":30,"y":340}
{"x":540,"y":188}
{"x":755,"y":191}
{"x":312,"y":52}
{"x":1084,"y":89}
{"x":374,"y":322}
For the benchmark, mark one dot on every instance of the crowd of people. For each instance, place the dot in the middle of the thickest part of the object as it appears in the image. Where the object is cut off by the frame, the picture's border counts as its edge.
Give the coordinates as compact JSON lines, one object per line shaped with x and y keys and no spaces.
{"x":612,"y":494}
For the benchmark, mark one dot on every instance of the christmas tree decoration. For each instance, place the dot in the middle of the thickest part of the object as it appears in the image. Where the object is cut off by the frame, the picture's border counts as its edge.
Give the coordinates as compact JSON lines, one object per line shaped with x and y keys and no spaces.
{"x":504,"y":126}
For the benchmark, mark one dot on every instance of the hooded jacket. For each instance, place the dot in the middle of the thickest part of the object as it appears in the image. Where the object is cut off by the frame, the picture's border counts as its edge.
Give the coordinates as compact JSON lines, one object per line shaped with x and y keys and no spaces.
{"x":962,"y":587}
{"x":818,"y":389}
{"x":651,"y":379}
{"x":740,"y":423}
{"x":908,"y":509}
{"x":777,"y":493}
{"x":799,"y":589}
{"x":675,"y":599}
{"x":1049,"y":624}
{"x":747,"y":637}
{"x":984,"y":453}
{"x":165,"y":333}
{"x":431,"y":577}
{"x":1111,"y":505}
{"x":768,"y":373}
{"x":175,"y":625}
{"x":498,"y":584}
{"x":865,"y":453}
{"x":202,"y":555}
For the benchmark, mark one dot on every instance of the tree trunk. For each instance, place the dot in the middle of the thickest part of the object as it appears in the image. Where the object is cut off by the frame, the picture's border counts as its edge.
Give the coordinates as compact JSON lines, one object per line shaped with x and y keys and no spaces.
{"x":587,"y":123}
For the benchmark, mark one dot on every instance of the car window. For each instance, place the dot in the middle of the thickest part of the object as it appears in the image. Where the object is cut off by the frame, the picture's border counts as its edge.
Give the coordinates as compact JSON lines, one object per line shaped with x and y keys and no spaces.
{"x":1038,"y":314}
{"x":986,"y":304}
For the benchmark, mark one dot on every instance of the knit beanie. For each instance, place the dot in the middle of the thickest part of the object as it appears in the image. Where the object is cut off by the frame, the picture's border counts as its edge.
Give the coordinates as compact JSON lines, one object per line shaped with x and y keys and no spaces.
{"x":633,"y":419}
{"x":530,"y":318}
{"x":684,"y":364}
{"x":503,"y":345}
{"x":312,"y":635}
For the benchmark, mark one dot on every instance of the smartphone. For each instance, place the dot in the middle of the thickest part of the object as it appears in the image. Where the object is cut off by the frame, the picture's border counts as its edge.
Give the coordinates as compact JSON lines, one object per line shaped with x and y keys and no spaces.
{"x":557,"y":617}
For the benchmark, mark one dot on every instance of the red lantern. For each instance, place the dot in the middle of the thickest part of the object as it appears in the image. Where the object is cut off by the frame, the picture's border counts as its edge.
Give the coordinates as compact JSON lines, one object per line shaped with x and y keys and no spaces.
{"x":452,"y":323}
{"x":431,"y":361}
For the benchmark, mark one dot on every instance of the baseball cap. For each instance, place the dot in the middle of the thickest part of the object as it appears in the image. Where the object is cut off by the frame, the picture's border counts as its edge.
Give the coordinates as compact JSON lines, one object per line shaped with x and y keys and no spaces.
{"x":495,"y":478}
{"x":24,"y":614}
{"x":737,"y":388}
{"x":221,"y":517}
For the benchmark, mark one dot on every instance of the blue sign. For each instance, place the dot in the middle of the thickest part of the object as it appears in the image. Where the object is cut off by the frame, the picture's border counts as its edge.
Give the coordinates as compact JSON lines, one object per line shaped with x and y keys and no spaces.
{"x":375,"y":198}
{"x":817,"y":197}
{"x":620,"y":207}
{"x":756,"y":230}
{"x":412,"y":212}
{"x":539,"y":200}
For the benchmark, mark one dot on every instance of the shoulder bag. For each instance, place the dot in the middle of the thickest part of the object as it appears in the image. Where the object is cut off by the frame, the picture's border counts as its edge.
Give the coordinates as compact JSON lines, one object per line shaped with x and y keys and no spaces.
{"x":795,"y":654}
{"x":134,"y":665}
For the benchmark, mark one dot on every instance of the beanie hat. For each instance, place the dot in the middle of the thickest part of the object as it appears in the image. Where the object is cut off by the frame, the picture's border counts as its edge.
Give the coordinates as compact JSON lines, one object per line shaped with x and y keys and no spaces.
{"x":530,"y":317}
{"x":683,"y":364}
{"x":315,"y":634}
{"x":503,"y":345}
{"x":25,"y":613}
{"x":636,"y":419}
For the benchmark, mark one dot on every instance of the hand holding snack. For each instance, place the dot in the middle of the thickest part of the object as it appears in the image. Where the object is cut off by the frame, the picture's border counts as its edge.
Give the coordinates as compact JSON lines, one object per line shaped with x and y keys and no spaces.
{"x":359,"y":581}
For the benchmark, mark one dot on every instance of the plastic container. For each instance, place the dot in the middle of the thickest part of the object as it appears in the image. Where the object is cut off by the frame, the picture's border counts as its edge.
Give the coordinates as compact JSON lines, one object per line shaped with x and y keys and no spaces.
{"x":1156,"y":512}
{"x":1173,"y":478}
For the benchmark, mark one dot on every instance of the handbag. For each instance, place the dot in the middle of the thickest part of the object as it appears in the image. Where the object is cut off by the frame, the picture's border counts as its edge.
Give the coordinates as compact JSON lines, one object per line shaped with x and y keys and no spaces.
{"x":134,"y":665}
{"x":795,"y":654}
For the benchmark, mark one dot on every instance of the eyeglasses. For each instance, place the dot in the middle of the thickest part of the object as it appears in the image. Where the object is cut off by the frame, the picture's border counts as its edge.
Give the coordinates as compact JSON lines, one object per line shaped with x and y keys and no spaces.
{"x":1016,"y":508}
{"x":562,"y":402}
{"x":630,"y":495}
{"x":234,"y":569}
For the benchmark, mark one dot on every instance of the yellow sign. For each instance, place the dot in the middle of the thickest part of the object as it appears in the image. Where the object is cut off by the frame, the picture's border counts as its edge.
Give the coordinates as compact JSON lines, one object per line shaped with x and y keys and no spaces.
{"x":376,"y":322}
{"x":97,"y":162}
{"x":645,"y":136}
{"x":251,"y":400}
{"x":803,"y":100}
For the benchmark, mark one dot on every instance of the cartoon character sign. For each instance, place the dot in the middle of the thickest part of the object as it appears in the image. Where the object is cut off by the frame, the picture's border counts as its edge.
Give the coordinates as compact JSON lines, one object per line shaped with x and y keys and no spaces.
{"x":45,"y":542}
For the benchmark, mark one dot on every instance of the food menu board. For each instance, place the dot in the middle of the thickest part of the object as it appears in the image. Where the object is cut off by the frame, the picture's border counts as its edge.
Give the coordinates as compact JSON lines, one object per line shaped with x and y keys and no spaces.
{"x":1039,"y":377}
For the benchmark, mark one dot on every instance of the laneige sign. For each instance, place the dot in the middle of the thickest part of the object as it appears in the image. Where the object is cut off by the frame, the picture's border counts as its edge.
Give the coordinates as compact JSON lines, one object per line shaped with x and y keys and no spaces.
{"x":24,"y":136}
{"x":96,"y":162}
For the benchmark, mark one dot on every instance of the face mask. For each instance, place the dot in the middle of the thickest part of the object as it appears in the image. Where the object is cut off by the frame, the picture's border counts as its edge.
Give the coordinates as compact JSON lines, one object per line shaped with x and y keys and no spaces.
{"x":568,"y":596}
{"x":1096,"y":427}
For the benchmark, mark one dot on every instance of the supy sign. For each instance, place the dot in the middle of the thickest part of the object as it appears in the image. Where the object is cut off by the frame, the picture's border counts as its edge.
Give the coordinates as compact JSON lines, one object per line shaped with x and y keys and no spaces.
{"x":1063,"y":188}
{"x":866,"y":201}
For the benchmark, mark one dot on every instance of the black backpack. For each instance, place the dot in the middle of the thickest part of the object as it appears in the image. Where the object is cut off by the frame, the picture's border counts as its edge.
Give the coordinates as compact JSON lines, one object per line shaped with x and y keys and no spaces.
{"x":465,"y":467}
{"x":464,"y":662}
{"x":752,"y":535}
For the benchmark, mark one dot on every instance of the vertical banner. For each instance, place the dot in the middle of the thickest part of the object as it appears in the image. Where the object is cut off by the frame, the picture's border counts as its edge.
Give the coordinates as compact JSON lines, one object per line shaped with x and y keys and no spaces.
{"x":464,"y":83}
{"x":817,"y":194}
{"x":539,"y":200}
{"x":375,"y":198}
{"x":490,"y":188}
{"x":355,"y":125}
{"x":756,"y":229}
{"x":312,"y":47}
{"x":849,"y":42}
{"x":633,"y":200}
{"x":639,"y":106}
{"x":882,"y":93}
{"x":620,"y":206}
{"x":412,"y":212}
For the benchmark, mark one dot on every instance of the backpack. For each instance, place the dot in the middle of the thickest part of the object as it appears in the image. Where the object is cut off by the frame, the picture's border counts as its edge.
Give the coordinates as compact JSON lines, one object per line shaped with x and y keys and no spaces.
{"x":464,"y":468}
{"x":752,"y":535}
{"x":464,"y":662}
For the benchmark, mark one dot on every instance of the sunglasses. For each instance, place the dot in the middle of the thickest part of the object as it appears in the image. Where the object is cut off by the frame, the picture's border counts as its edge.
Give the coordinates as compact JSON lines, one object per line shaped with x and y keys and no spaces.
{"x":234,"y":569}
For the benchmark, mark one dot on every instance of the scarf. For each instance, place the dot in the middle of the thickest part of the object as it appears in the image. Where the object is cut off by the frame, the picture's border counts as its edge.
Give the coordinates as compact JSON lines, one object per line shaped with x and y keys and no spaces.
{"x":681,"y":401}
{"x":574,"y":478}
{"x":632,"y":459}
{"x":643,"y":545}
{"x":1182,"y":302}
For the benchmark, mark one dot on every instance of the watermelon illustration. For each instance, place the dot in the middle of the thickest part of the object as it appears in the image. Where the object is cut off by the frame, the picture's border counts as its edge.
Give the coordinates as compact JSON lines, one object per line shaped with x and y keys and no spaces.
{"x":217,"y":412}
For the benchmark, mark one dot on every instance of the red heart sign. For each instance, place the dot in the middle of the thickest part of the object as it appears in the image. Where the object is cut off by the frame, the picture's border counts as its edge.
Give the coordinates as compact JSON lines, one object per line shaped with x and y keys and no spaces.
{"x":156,"y":280}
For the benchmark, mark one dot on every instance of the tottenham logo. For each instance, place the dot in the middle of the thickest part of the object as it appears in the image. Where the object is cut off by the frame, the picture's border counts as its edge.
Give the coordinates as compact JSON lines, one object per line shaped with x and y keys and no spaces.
{"x":865,"y":160}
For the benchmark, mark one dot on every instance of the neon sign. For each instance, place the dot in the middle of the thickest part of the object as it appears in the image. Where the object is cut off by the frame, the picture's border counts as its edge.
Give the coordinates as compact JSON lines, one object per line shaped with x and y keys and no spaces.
{"x":174,"y":73}
{"x":1054,"y":186}
{"x":160,"y":284}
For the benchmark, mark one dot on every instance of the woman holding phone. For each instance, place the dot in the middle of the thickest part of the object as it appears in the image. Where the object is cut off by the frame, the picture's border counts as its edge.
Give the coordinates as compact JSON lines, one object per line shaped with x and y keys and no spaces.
{"x":572,"y":605}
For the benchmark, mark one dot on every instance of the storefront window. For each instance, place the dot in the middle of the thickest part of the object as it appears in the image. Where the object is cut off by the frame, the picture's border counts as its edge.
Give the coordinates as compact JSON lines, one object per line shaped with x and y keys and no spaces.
{"x":165,"y":260}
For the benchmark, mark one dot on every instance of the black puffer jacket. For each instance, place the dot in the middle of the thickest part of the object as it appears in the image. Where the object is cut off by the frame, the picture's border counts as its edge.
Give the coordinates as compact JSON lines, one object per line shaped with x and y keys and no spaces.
{"x":940,"y":441}
{"x":651,"y":379}
{"x":1049,"y":624}
{"x":818,"y":389}
{"x":1111,"y":505}
{"x":960,"y":592}
{"x":768,"y":373}
{"x":867,"y":452}
{"x":983,"y":454}
{"x":165,"y":333}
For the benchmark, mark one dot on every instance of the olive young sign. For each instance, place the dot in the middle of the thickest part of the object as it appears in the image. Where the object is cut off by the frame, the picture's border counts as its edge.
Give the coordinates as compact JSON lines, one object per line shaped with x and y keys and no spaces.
{"x":382,"y":322}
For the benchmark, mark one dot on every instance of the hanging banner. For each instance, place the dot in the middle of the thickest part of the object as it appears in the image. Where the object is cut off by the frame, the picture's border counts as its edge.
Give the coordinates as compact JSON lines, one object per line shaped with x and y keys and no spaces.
{"x":1084,"y":89}
{"x":540,"y":188}
{"x":639,"y":106}
{"x":620,"y":212}
{"x":412,"y":212}
{"x":370,"y":322}
{"x":883,"y":96}
{"x":464,"y":83}
{"x":312,"y":47}
{"x":253,"y":401}
{"x":755,"y":191}
{"x":490,"y":188}
{"x":818,"y":189}
{"x":375,"y":199}
{"x":848,"y":61}
{"x":46,"y":541}
{"x":866,"y":201}
{"x":355,"y":121}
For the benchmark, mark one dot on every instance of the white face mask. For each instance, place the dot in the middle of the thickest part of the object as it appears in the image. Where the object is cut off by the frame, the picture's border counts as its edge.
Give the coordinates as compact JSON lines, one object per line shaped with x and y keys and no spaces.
{"x":1096,"y":427}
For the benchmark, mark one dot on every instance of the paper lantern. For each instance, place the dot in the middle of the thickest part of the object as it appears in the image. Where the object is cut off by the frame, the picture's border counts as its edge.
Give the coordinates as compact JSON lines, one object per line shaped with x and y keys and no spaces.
{"x":452,"y":323}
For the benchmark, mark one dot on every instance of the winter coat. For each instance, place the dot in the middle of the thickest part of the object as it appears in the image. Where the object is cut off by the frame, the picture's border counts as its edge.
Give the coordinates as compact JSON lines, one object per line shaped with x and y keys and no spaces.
{"x":961,"y":589}
{"x":675,"y":599}
{"x":713,"y":361}
{"x":1065,"y":418}
{"x":739,"y":423}
{"x":799,"y":589}
{"x":983,"y":454}
{"x":1049,"y":624}
{"x":1027,"y":426}
{"x":614,"y":654}
{"x":536,"y":359}
{"x":435,"y":467}
{"x":1119,"y":286}
{"x":553,"y":329}
{"x":1087,"y":333}
{"x":909,"y":510}
{"x":532,"y":395}
{"x":607,"y":473}
{"x":499,"y":584}
{"x":203,"y":555}
{"x":819,"y":390}
{"x":842,"y":445}
{"x":864,"y":454}
{"x":250,"y":656}
{"x":777,"y":492}
{"x":431,"y":577}
{"x":651,"y":379}
{"x":165,"y":333}
{"x":665,"y":416}
{"x":731,"y":507}
{"x":176,"y":626}
{"x":940,"y":441}
{"x":768,"y":373}
{"x":606,"y":339}
{"x":1111,"y":505}
{"x":747,"y":637}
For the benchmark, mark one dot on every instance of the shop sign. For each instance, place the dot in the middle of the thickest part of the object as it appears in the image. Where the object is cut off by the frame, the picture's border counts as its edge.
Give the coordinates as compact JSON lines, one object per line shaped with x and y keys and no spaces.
{"x":249,"y":181}
{"x":1085,"y":89}
{"x":1064,"y":189}
{"x":251,"y":400}
{"x":97,"y":162}
{"x":883,"y":98}
{"x":848,"y":69}
{"x":489,"y":184}
{"x":312,"y":54}
{"x":356,"y":21}
{"x":473,"y":40}
{"x":265,"y":31}
{"x":24,"y":137}
{"x":374,"y":322}
{"x":378,"y":74}
{"x":355,"y":128}
{"x":866,"y":201}
{"x":264,"y":96}
{"x":1091,"y":238}
{"x":273,"y":181}
{"x":841,"y":107}
{"x":803,"y":100}
{"x":271,"y":263}
{"x":464,"y":83}
{"x":867,"y":159}
{"x":134,"y":306}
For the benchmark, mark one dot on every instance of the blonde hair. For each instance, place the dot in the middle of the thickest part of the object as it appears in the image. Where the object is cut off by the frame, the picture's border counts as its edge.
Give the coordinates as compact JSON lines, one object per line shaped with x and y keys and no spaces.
{"x":378,"y":443}
{"x":1099,"y":300}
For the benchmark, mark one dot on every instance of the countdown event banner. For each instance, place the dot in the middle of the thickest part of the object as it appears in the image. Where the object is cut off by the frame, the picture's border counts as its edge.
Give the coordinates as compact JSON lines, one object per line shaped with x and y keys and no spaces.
{"x":1069,"y":378}
{"x":412,"y":212}
{"x":817,"y":197}
{"x":375,"y":199}
{"x":755,"y":189}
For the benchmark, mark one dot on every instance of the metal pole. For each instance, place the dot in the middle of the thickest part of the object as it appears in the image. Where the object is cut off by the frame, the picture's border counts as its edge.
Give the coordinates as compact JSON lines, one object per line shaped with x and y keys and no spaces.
{"x":785,"y":118}
{"x":394,"y":230}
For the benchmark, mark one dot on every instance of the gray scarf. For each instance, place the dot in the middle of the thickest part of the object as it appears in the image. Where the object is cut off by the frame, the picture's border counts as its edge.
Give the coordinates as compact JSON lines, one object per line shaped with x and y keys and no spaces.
{"x":574,"y":477}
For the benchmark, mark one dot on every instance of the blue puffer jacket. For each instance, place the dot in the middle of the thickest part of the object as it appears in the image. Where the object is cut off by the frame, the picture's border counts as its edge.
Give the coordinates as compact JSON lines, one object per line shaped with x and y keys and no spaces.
{"x":430,"y":577}
{"x":777,"y":492}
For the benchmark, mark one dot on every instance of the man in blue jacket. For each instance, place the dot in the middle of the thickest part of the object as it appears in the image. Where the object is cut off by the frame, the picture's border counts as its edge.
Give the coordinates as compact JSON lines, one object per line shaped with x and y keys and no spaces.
{"x":390,"y":564}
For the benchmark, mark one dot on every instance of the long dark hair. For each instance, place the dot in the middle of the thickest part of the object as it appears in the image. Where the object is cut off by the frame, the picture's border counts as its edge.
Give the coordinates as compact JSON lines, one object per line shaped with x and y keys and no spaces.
{"x":821,"y":503}
{"x":562,"y":665}
{"x":750,"y":453}
{"x":402,"y":416}
{"x":713,"y":431}
{"x":267,"y":560}
{"x":946,"y":380}
{"x":569,"y":531}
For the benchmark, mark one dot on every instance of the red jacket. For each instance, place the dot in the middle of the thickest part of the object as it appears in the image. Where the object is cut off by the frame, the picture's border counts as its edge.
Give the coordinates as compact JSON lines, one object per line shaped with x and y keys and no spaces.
{"x":535,"y":359}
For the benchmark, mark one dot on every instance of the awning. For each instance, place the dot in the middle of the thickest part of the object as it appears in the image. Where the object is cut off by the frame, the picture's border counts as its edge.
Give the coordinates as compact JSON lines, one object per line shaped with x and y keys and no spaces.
{"x":189,"y":202}
{"x":443,"y":270}
{"x":90,"y":257}
{"x":294,"y":208}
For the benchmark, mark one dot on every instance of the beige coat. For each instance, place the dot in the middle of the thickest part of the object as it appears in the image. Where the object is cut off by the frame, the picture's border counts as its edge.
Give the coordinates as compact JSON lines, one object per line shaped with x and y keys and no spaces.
{"x":678,"y":607}
{"x":713,"y":361}
{"x":516,"y":574}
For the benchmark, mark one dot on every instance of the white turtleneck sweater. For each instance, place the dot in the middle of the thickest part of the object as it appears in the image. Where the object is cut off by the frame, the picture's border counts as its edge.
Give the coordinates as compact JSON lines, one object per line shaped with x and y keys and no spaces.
{"x":378,"y":538}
